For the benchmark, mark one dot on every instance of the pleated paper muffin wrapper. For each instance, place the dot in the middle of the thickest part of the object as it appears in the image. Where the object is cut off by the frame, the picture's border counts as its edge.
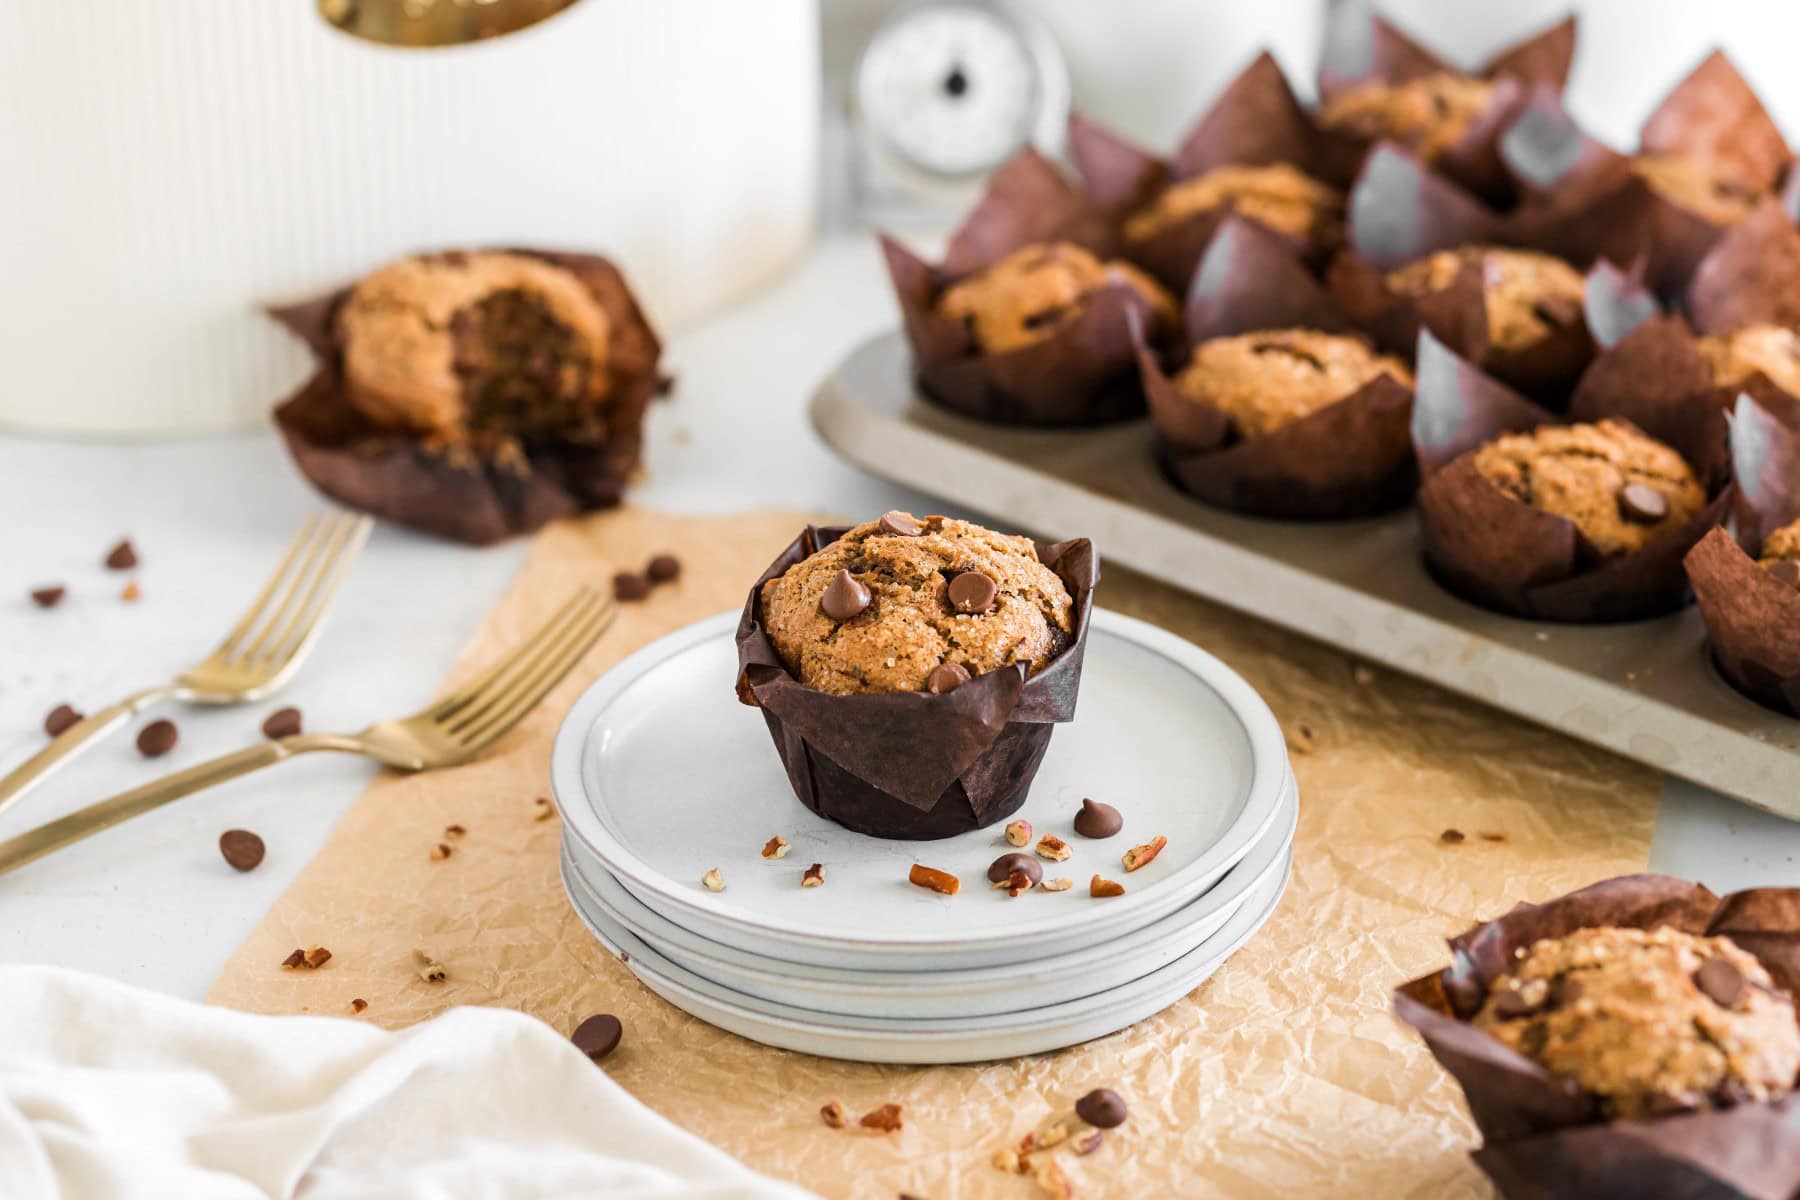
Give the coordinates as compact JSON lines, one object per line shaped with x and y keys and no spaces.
{"x":1350,"y":458}
{"x":465,"y":492}
{"x":1507,"y":555}
{"x":1752,"y":618}
{"x":1256,"y":121}
{"x":1360,"y":47}
{"x":912,"y":765}
{"x":1542,"y":1137}
{"x":1400,"y":211}
{"x":1084,"y":372}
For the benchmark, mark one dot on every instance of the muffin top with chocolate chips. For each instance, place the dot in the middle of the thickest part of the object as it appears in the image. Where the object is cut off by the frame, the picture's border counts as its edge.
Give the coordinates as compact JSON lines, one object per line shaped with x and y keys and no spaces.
{"x":452,"y":344}
{"x":1710,"y":190}
{"x":1267,"y":379}
{"x":1278,"y":196}
{"x":1781,"y":554}
{"x":1427,"y":115}
{"x":905,"y":605}
{"x":1528,"y":295}
{"x":1621,"y":488}
{"x":1649,"y":1022}
{"x":1770,"y":350}
{"x":1031,"y":292}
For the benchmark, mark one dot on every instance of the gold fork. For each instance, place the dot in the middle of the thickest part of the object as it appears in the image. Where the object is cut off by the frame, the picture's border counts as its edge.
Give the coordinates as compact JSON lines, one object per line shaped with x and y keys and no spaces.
{"x":447,"y":732}
{"x":261,"y":653}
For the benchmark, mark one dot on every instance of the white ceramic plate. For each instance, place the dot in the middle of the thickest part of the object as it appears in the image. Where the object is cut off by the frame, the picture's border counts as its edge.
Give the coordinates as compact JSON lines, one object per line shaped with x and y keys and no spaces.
{"x":980,"y":991}
{"x":954,"y":1040}
{"x":661,"y":775}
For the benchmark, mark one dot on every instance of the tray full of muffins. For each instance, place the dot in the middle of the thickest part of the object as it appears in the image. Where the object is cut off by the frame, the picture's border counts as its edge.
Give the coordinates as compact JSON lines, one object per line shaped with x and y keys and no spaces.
{"x":1423,"y":372}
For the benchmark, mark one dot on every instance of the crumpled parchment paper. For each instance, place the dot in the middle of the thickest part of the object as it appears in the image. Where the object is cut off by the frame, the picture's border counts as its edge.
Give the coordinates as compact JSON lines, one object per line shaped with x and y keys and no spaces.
{"x":1284,"y":1075}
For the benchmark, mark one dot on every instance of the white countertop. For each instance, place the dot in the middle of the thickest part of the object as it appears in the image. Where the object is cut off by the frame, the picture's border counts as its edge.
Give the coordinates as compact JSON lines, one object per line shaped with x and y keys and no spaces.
{"x":155,"y":905}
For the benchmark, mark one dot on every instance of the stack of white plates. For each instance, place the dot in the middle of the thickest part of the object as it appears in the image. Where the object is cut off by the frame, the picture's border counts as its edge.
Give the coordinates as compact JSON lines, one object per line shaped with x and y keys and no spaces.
{"x":661,"y":776}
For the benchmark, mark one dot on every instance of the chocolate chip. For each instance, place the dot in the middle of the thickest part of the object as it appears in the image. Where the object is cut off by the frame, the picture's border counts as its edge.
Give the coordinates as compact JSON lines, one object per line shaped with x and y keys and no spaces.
{"x":59,"y":719}
{"x":48,"y":597}
{"x":242,"y":849}
{"x":663,"y":568}
{"x":1721,"y":981}
{"x":1642,"y":504}
{"x":157,"y":738}
{"x":1785,"y":570}
{"x":1007,"y":865}
{"x":629,"y":585}
{"x":122,"y":557}
{"x":283,"y":722}
{"x":900,"y":524}
{"x":845,"y":597}
{"x":1512,"y":1004}
{"x":1557,"y":310}
{"x":1564,"y":991}
{"x":1102,"y":1108}
{"x":598,"y":1036}
{"x":1097,"y":820}
{"x":973,"y":592}
{"x":946,"y":677}
{"x":1451,"y":836}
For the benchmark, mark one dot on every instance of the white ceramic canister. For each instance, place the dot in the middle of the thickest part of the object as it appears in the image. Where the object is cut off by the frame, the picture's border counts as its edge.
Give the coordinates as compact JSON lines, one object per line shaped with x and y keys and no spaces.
{"x":166,"y":169}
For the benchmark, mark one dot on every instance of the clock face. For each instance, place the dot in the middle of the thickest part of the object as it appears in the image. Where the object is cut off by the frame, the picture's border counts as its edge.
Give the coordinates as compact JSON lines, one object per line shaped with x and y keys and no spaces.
{"x":951,"y":89}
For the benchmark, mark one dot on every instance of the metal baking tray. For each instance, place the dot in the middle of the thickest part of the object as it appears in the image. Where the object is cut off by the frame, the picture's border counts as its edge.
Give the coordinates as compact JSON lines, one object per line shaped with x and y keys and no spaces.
{"x":1645,"y":689}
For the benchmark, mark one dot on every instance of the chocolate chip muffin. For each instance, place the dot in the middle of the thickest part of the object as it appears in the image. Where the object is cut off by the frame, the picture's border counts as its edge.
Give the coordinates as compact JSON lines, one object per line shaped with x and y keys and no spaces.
{"x":1267,"y":379}
{"x":454,"y":344}
{"x":1027,"y":295}
{"x":1771,"y":350}
{"x":905,"y":605}
{"x":1650,"y":1022}
{"x":1279,"y":197}
{"x":1621,"y":488}
{"x":1427,"y":115}
{"x":1713,"y":191}
{"x":1781,"y":554}
{"x":1529,"y":296}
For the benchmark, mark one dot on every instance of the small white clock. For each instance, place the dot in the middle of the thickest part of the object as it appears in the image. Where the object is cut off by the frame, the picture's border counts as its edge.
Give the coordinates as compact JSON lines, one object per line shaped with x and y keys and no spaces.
{"x":946,"y":91}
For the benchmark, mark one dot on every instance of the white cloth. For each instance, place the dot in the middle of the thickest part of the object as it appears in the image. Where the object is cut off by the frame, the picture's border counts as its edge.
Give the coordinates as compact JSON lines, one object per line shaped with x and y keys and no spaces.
{"x":108,"y":1092}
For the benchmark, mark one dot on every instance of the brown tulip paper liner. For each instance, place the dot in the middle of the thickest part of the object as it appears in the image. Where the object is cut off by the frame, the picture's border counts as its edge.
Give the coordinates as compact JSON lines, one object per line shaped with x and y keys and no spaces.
{"x":1544,"y":1138}
{"x":1714,"y":114}
{"x":1400,"y":211}
{"x":1752,"y":618}
{"x":1507,"y":555}
{"x":1083,"y":373}
{"x":1361,"y":47}
{"x":1256,"y":121}
{"x":464,"y":492}
{"x":1348,"y":459}
{"x":1750,"y":276}
{"x":912,"y":765}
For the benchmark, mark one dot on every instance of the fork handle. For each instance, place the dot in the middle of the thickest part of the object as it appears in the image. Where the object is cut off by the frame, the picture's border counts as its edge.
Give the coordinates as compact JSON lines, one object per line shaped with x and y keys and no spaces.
{"x":85,"y":822}
{"x":72,"y":739}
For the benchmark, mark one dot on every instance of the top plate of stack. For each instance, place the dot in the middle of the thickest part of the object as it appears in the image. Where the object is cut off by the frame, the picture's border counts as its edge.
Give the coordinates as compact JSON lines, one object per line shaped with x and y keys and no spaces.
{"x":661,"y":775}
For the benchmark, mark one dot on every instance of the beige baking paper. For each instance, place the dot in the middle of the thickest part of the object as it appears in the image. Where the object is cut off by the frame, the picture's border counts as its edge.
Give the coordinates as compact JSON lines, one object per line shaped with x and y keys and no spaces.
{"x":1282,"y":1076}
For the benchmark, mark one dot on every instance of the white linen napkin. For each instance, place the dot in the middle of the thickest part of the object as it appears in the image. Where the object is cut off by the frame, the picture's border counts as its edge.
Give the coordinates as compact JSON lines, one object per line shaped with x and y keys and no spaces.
{"x":109,"y":1092}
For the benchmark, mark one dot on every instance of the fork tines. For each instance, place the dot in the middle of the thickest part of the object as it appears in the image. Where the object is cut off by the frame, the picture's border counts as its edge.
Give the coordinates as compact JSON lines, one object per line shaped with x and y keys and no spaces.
{"x":285,"y":616}
{"x":499,"y":697}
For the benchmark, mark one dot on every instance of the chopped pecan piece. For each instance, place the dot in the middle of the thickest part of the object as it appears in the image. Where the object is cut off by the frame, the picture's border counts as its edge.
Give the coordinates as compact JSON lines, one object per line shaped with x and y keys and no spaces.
{"x":886,"y":1118}
{"x":712,"y":881}
{"x":440,"y":852}
{"x":776,"y":847}
{"x":1048,"y":1174}
{"x":1018,"y":833}
{"x":1104,"y":887}
{"x":1144,"y":855}
{"x":1061,"y":883}
{"x":813,"y":876}
{"x":1053,"y":848}
{"x":429,"y":968}
{"x":934,"y":879}
{"x":832,"y":1113}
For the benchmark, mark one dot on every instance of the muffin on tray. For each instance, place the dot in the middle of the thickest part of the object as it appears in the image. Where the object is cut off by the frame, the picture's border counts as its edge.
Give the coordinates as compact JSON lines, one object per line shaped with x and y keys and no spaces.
{"x":1530,"y":297}
{"x":1427,"y":115}
{"x":1036,"y":290}
{"x":1269,"y":378}
{"x":1772,"y":351}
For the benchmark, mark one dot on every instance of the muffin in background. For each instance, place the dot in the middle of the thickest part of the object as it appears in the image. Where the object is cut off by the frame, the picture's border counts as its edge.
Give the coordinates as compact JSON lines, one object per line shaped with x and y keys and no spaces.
{"x":1427,"y":115}
{"x":1530,"y":296}
{"x":1032,"y":292}
{"x":1710,"y":189}
{"x":1278,"y":196}
{"x":1769,"y":350}
{"x":1269,"y":378}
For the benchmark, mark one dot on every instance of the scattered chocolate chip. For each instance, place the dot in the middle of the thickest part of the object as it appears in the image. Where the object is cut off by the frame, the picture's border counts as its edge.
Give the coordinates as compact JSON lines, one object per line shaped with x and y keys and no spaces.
{"x":157,"y":738}
{"x":900,"y":524}
{"x":1785,"y":570}
{"x":122,"y":557}
{"x":1721,"y":981}
{"x":48,"y":597}
{"x":1558,"y":310}
{"x":242,"y":849}
{"x":358,"y":1004}
{"x":1097,"y":820}
{"x":283,"y":722}
{"x":598,"y":1036}
{"x":973,"y":592}
{"x":1642,"y":504}
{"x":663,"y":568}
{"x":440,"y":852}
{"x":1511,"y":1004}
{"x":1102,"y":1108}
{"x":629,"y":585}
{"x":845,"y":597}
{"x":1008,"y":865}
{"x":1564,"y":991}
{"x":1451,"y":836}
{"x":59,"y":719}
{"x":454,"y":830}
{"x":946,"y":677}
